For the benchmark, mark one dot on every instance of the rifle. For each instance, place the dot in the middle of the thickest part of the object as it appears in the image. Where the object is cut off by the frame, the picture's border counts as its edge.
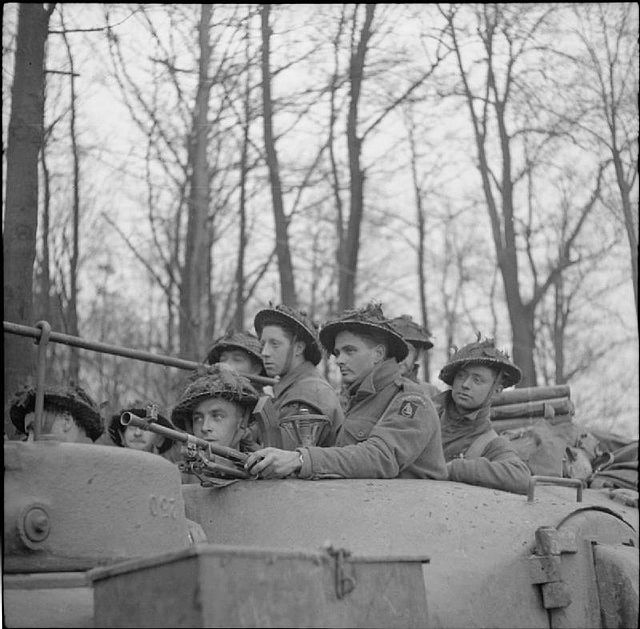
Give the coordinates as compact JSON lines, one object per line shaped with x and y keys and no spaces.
{"x":198,"y":452}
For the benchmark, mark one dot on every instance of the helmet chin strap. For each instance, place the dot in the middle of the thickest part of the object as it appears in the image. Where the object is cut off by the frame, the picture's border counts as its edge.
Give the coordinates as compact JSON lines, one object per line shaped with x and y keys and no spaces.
{"x":496,"y":380}
{"x":287,"y":364}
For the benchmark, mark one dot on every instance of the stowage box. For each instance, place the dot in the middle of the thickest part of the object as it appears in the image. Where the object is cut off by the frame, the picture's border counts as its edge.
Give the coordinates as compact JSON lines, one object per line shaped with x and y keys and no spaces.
{"x":211,"y":585}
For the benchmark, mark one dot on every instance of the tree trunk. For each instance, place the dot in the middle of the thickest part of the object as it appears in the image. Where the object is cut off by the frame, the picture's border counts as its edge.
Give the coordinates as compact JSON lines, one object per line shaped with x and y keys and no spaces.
{"x":44,"y":309}
{"x":521,"y":315}
{"x":195,"y":288}
{"x":287,"y":284}
{"x":72,"y":307}
{"x":21,"y":201}
{"x":335,"y":178}
{"x":238,"y":317}
{"x":559,"y":329}
{"x":421,"y":225}
{"x":630,"y":224}
{"x":348,"y":270}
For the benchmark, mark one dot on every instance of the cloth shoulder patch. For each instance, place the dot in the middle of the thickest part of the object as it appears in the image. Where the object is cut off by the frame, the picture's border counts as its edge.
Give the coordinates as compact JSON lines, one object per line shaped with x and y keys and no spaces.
{"x":408,"y":409}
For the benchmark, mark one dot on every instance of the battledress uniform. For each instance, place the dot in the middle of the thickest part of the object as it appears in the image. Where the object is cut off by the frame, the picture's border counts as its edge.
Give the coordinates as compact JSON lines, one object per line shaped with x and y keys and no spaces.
{"x":474,"y":452}
{"x":496,"y":465}
{"x":390,"y":431}
{"x":304,"y":387}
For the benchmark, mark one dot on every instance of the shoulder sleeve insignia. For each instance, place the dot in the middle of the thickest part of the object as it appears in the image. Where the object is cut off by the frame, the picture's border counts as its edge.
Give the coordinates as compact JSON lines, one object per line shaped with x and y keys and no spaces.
{"x":408,"y":409}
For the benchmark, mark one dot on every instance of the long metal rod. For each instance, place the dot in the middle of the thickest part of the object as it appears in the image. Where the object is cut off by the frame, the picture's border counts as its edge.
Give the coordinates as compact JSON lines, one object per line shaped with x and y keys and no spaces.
{"x":105,"y":348}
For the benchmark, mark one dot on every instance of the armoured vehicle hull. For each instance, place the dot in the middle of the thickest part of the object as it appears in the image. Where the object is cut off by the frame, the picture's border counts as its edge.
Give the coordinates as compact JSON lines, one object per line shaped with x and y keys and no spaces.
{"x":389,"y":553}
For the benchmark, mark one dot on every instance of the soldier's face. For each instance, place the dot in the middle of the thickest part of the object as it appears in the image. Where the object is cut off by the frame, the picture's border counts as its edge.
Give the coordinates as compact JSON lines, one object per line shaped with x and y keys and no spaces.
{"x":239,"y":360}
{"x":138,"y":439}
{"x":52,"y":423}
{"x":472,"y":385}
{"x":355,"y":356}
{"x":275,"y":349}
{"x":219,"y":421}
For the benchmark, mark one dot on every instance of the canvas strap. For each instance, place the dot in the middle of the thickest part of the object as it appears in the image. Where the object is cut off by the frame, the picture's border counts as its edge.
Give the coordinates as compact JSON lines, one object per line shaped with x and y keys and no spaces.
{"x":477,"y":447}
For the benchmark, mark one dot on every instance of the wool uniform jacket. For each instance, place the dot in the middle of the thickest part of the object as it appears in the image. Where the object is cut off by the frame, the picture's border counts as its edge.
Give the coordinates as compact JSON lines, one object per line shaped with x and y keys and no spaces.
{"x":304,"y":386}
{"x":390,"y":430}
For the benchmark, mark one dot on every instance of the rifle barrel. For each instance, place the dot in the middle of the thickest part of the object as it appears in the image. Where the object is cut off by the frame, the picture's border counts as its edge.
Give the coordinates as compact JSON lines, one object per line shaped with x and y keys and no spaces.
{"x":130,"y":419}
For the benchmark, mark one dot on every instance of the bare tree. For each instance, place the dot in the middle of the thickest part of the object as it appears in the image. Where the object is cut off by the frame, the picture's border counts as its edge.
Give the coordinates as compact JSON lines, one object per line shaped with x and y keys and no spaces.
{"x":608,"y":72}
{"x":348,"y":265}
{"x":421,"y":220}
{"x":510,"y":34}
{"x":25,"y":139}
{"x":196,"y":273}
{"x":285,"y":266}
{"x":72,"y":306}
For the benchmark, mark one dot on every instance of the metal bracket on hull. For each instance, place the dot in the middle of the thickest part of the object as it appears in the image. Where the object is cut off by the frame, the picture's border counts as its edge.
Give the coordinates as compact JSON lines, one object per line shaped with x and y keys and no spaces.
{"x":545,"y":565}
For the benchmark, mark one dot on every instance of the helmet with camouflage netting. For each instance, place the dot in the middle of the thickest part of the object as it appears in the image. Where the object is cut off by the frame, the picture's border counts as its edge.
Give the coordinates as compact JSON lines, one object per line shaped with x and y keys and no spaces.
{"x":411,"y":331}
{"x":482,"y":353}
{"x":209,"y":382}
{"x":235,"y":340}
{"x":298,"y":322}
{"x":369,"y":319}
{"x":139,"y":408}
{"x":71,"y":397}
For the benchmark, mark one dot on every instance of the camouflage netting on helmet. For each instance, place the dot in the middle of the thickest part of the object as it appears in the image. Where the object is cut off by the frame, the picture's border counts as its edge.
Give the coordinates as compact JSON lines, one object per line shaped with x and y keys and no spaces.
{"x":411,"y":331}
{"x":295,"y":320}
{"x":72,"y":398}
{"x":235,"y":340}
{"x":210,"y":382}
{"x":139,"y":408}
{"x":482,"y":353}
{"x":369,"y":319}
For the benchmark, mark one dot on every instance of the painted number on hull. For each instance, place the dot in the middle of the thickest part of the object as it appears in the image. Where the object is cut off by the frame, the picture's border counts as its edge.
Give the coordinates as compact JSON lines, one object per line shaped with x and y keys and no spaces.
{"x":163,"y":507}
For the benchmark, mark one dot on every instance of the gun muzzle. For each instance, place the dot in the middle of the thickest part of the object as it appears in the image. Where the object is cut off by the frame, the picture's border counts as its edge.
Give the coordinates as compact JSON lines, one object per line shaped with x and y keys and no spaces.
{"x":129,"y":419}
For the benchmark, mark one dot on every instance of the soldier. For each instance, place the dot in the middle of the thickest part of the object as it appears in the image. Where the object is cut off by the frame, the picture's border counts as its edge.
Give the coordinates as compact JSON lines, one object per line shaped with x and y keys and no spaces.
{"x":215,"y":406}
{"x":69,"y":414}
{"x":291,"y":351}
{"x":418,"y":340}
{"x":240,"y":350}
{"x":137,"y":438}
{"x":390,"y":430}
{"x":474,"y":452}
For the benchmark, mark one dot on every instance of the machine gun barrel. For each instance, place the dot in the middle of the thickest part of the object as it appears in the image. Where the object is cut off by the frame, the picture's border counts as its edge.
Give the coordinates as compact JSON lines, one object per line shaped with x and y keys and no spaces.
{"x":130,"y":419}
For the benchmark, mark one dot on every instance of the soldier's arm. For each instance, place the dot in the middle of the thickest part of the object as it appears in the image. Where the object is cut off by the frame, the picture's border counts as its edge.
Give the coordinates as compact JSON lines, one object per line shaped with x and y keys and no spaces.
{"x":499,"y":467}
{"x":393,"y":443}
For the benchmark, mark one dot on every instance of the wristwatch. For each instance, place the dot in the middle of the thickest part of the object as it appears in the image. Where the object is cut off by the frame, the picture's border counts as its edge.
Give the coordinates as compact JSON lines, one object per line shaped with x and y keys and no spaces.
{"x":301,"y":461}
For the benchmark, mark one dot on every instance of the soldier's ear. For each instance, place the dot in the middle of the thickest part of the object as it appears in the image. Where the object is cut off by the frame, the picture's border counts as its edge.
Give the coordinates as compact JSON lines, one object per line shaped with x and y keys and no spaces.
{"x":298,"y":348}
{"x":380,"y":353}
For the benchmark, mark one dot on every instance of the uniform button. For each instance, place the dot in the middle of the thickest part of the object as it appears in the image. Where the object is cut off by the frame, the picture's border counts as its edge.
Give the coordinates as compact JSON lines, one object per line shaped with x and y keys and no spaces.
{"x":360,"y":433}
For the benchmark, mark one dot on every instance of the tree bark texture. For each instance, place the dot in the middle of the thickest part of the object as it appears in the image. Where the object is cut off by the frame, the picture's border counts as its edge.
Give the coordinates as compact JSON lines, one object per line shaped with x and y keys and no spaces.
{"x":421,"y":227}
{"x":72,"y":306}
{"x":21,"y":203}
{"x":238,"y":317}
{"x":283,"y":252}
{"x":195,"y":288}
{"x":348,"y":270}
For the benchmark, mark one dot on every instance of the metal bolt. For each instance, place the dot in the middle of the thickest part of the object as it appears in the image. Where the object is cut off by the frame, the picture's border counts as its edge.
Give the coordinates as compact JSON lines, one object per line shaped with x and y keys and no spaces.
{"x":37,"y":524}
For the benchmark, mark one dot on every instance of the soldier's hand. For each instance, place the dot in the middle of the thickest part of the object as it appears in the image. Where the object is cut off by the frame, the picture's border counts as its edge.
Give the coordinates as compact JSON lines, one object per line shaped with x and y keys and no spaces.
{"x":273,"y":463}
